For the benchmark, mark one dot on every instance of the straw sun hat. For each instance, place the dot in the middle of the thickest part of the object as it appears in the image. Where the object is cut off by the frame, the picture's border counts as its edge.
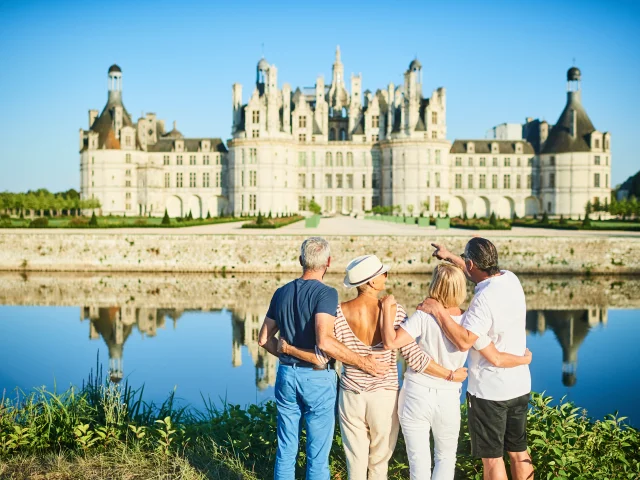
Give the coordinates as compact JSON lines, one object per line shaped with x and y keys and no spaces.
{"x":362,"y":269}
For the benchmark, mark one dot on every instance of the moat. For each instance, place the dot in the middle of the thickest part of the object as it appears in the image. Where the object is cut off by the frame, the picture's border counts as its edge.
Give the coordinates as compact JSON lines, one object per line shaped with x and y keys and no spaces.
{"x":198,"y":333}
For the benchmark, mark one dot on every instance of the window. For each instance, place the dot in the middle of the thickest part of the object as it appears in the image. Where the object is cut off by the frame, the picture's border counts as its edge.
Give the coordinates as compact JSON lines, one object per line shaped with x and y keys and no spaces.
{"x":205,"y":159}
{"x":436,"y":203}
{"x":530,"y":162}
{"x":302,"y":180}
{"x":434,"y":118}
{"x":192,"y":159}
{"x":327,"y":181}
{"x":483,"y":181}
{"x":552,"y":161}
{"x":437,"y":179}
{"x":364,"y":181}
{"x":375,"y":138}
{"x":349,"y":204}
{"x":302,"y":122}
{"x":349,"y":180}
{"x":127,"y":183}
{"x":339,"y":204}
{"x":167,"y":180}
{"x":438,"y":160}
{"x":127,"y":157}
{"x":253,"y":155}
{"x":328,"y":204}
{"x":349,"y":159}
{"x":470,"y":181}
{"x":165,"y":160}
{"x":328,"y":160}
{"x":253,"y":178}
{"x":597,"y":143}
{"x":179,"y":160}
{"x":93,"y":173}
{"x":302,"y":137}
{"x":483,"y":161}
{"x":607,"y":160}
{"x":596,"y":160}
{"x":192,"y":179}
{"x":302,"y":201}
{"x":255,"y":116}
{"x":93,"y":160}
{"x":507,"y":181}
{"x":606,"y":180}
{"x":471,"y":161}
{"x":252,"y":202}
{"x":302,"y":159}
{"x":255,"y":134}
{"x":375,"y":121}
{"x":332,"y":134}
{"x":364,"y":204}
{"x":313,"y":180}
{"x":507,"y":162}
{"x":494,"y":181}
{"x":596,"y":180}
{"x":127,"y":173}
{"x":205,"y":179}
{"x":552,"y":180}
{"x":495,"y":161}
{"x":339,"y":162}
{"x":458,"y":180}
{"x":529,"y":181}
{"x":339,"y":180}
{"x":217,"y":179}
{"x":179,"y":180}
{"x":128,"y":205}
{"x":519,"y":162}
{"x":434,"y":134}
{"x":242,"y":179}
{"x":518,"y":183}
{"x":343,"y":134}
{"x":458,"y":161}
{"x":127,"y":195}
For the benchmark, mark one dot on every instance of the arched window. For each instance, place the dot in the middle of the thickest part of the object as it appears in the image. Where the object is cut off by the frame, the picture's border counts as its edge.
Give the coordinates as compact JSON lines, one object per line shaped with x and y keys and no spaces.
{"x":349,"y":159}
{"x":332,"y":134}
{"x":328,"y":161}
{"x":343,"y":134}
{"x":339,"y":162}
{"x":344,"y":112}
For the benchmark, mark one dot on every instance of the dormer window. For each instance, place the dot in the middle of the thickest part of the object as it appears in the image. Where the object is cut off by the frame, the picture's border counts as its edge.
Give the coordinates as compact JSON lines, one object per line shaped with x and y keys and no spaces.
{"x":597,"y":143}
{"x":434,"y":118}
{"x":302,"y":121}
{"x":471,"y":148}
{"x":494,"y":148}
{"x":518,"y":148}
{"x":552,"y":161}
{"x":375,"y":121}
{"x":255,"y":116}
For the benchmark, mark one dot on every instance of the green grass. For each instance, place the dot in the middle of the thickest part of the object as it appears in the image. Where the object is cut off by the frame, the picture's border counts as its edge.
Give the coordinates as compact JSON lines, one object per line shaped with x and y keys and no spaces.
{"x":121,"y":222}
{"x":271,"y":223}
{"x":627,"y":226}
{"x":106,"y":431}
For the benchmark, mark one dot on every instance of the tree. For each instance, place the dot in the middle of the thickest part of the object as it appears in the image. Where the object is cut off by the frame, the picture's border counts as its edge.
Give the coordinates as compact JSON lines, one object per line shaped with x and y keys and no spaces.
{"x":260,"y":219}
{"x":314,"y":207}
{"x":588,"y":208}
{"x":596,"y":205}
{"x":94,"y":220}
{"x":464,"y":216}
{"x":493,"y":221}
{"x":166,"y":220}
{"x":208,"y":214}
{"x":410,"y":210}
{"x":545,"y":218}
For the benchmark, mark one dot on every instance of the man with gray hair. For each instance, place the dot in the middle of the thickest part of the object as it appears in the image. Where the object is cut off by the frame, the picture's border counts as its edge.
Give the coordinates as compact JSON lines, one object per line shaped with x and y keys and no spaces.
{"x":497,"y":398}
{"x":303,"y":311}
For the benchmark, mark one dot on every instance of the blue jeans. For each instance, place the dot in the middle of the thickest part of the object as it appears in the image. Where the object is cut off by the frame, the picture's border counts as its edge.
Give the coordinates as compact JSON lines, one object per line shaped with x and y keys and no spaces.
{"x":304,"y":393}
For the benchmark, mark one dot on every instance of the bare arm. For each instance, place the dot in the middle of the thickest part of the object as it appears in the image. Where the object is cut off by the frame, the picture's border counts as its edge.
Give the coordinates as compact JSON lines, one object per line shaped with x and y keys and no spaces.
{"x":327,"y":342}
{"x":462,"y":338}
{"x":306,"y":354}
{"x":441,"y":253}
{"x":505,"y":360}
{"x":392,"y":338}
{"x":267,"y":339}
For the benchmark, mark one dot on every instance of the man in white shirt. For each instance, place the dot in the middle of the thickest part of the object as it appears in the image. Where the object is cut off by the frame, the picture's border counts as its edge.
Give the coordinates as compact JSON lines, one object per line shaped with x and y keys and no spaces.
{"x":497,"y":398}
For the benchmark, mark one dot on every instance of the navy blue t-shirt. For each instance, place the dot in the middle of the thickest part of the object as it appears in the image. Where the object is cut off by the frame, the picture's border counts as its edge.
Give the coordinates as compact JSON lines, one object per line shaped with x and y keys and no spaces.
{"x":294,"y":307}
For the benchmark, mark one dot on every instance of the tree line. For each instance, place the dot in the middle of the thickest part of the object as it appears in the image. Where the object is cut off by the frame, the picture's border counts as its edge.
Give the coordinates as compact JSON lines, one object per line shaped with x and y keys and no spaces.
{"x":42,"y":202}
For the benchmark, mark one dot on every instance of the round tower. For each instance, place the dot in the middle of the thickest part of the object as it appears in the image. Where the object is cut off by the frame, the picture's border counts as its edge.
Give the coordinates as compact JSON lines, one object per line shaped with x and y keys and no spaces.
{"x":573,"y":79}
{"x":115,"y":83}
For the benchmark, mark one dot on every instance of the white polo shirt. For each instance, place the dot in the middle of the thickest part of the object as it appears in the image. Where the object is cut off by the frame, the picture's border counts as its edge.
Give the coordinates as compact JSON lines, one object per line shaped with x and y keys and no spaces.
{"x":498,"y":310}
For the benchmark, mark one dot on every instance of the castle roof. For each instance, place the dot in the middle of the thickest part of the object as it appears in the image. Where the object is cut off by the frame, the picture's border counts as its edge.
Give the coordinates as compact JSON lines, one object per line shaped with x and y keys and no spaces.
{"x":166,"y":144}
{"x":484,"y":146}
{"x":103,"y":125}
{"x":560,"y":139}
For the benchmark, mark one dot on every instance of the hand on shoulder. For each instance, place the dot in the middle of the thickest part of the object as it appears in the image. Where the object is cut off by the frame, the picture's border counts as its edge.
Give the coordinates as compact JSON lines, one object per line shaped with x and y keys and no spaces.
{"x":430,"y":306}
{"x":388,"y":301}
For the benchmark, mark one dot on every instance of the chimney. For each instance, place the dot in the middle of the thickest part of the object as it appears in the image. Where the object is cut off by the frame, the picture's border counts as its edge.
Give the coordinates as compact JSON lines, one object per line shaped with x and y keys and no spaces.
{"x":93,"y":114}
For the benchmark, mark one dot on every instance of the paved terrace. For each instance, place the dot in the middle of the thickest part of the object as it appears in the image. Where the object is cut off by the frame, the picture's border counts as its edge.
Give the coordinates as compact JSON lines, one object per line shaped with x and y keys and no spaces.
{"x":339,"y":225}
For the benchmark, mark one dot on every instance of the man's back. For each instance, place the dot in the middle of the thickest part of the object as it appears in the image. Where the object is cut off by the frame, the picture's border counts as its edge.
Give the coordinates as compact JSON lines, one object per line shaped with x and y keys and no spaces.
{"x":293,"y":308}
{"x":499,"y":311}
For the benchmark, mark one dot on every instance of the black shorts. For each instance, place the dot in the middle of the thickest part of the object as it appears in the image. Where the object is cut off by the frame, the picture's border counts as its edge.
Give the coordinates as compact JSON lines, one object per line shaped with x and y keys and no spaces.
{"x":496,"y":426}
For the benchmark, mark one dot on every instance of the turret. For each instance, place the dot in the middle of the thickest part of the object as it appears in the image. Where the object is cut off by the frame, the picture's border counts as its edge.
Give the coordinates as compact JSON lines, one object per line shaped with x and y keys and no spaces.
{"x":115,"y":84}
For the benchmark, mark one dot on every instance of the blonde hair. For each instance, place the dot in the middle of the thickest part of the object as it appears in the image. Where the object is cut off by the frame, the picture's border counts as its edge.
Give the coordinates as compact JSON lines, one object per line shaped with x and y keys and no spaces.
{"x":448,"y":285}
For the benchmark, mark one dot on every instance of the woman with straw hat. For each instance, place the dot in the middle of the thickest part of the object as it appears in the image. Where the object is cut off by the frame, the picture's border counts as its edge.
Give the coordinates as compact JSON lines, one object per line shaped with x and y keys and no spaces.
{"x":367,"y":404}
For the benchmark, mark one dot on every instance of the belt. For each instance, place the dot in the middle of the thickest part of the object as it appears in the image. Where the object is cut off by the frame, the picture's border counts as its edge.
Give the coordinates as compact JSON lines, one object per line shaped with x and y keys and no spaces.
{"x":310,"y":366}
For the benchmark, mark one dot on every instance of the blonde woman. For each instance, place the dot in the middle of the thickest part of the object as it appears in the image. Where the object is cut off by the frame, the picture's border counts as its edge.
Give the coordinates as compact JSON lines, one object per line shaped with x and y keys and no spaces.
{"x":368,"y":404}
{"x":426,"y":402}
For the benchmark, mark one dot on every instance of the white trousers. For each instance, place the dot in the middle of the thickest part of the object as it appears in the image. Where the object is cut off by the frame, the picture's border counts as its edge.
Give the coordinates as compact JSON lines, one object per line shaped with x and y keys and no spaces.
{"x":420,"y":410}
{"x":369,"y":426}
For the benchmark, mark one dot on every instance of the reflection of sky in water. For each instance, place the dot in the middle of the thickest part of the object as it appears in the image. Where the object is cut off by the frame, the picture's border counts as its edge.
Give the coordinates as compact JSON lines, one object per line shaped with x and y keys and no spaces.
{"x":215,"y":353}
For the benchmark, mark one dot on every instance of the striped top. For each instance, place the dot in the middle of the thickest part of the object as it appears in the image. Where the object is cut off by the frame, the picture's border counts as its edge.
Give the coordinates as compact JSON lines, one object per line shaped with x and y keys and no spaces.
{"x":358,"y":381}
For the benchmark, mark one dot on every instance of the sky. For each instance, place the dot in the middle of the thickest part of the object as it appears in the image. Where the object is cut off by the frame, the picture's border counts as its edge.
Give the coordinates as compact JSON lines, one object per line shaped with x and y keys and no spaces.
{"x":499,"y":61}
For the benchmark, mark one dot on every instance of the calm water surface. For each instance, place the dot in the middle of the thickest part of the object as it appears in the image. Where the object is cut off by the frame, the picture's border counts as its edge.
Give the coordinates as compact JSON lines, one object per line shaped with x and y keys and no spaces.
{"x":198,"y":334}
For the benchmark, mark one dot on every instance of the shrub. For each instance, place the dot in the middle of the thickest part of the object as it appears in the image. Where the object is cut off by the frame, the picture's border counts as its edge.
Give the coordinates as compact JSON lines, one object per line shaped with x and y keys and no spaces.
{"x":140,"y":222}
{"x":94,"y":220}
{"x":78,"y":222}
{"x":166,"y":220}
{"x":493,"y":221}
{"x":562,"y":221}
{"x":40,"y":222}
{"x":545,"y":218}
{"x":260,"y":219}
{"x":208,"y":215}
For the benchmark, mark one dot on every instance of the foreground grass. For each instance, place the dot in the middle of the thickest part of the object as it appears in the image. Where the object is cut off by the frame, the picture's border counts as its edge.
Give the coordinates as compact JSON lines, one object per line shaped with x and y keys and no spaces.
{"x":104,"y":431}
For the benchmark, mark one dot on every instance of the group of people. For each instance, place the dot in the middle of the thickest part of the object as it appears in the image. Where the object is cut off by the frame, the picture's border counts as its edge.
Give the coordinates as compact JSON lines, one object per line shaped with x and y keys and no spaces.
{"x":308,"y":330}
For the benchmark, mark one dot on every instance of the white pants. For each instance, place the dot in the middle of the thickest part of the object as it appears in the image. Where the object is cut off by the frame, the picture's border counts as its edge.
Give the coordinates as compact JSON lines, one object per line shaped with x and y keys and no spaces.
{"x":369,"y":426}
{"x":421,"y":409}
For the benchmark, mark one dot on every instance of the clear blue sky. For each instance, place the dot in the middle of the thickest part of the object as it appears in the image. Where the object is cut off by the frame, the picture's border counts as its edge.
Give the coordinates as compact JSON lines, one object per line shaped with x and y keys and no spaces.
{"x":500,"y":62}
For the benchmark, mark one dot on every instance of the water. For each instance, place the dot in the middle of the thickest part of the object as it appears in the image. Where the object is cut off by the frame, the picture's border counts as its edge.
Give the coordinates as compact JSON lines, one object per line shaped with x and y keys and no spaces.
{"x":198,"y":334}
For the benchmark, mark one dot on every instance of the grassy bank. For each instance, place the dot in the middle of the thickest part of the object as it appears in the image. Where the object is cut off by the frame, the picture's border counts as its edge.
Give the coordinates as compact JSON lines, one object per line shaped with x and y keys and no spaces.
{"x":104,"y":431}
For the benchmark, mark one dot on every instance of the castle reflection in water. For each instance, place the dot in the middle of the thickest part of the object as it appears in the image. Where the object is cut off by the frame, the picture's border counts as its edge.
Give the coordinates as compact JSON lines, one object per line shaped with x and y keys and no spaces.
{"x":115,"y":324}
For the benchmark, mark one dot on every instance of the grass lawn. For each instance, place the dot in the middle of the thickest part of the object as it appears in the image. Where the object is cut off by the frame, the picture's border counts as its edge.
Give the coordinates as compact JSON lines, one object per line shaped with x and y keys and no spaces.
{"x":120,"y":222}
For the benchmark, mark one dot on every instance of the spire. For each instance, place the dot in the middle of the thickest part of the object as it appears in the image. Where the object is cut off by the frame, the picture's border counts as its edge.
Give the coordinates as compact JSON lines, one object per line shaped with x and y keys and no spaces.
{"x":338,"y":54}
{"x":338,"y":96}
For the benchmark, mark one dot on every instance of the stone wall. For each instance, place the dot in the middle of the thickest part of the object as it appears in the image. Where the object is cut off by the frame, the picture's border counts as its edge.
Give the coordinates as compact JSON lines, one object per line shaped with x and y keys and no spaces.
{"x":108,"y":252}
